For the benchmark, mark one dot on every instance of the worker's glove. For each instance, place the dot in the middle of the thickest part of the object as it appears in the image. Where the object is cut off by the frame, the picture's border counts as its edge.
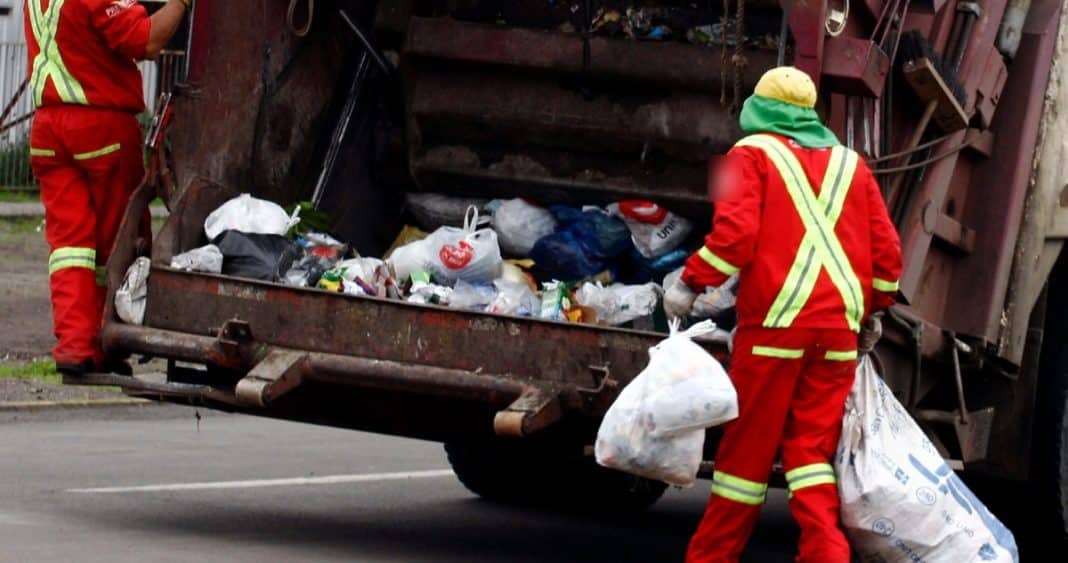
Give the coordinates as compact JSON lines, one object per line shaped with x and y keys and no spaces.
{"x":870,"y":333}
{"x":678,"y":300}
{"x":715,"y":302}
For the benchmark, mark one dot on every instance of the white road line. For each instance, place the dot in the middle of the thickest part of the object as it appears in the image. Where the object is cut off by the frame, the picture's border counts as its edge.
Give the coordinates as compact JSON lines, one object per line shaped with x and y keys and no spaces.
{"x":253,"y":483}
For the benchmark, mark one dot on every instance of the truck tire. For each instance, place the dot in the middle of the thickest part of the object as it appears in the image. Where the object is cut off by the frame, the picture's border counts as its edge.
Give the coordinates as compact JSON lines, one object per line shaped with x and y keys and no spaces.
{"x":517,"y":472}
{"x":1051,"y":446}
{"x":1049,"y":467}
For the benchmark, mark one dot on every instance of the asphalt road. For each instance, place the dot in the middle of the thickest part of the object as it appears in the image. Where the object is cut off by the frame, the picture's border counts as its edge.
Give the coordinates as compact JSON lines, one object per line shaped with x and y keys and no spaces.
{"x":247,"y":489}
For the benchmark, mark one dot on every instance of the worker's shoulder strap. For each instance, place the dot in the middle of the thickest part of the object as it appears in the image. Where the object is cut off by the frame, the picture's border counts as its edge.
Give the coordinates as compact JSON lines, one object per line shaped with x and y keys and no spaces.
{"x":841,"y":168}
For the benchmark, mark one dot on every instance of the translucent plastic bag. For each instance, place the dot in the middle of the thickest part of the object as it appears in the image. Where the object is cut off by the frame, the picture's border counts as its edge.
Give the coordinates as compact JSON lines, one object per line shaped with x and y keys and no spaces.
{"x":207,"y":259}
{"x":450,"y":254}
{"x":520,"y":224}
{"x":620,"y":304}
{"x":655,"y":428}
{"x":250,"y":215}
{"x":900,"y":501}
{"x":514,"y":298}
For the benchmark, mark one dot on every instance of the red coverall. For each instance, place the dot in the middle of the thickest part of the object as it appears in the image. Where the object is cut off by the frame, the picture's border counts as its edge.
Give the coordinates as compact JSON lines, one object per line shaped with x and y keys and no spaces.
{"x":809,"y":233}
{"x":85,"y":149}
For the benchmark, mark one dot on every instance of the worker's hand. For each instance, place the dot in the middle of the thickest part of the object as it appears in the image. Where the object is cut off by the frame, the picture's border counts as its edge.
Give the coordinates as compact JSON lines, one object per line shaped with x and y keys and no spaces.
{"x":707,"y":304}
{"x":714,"y":303}
{"x":678,"y":300}
{"x":870,"y":333}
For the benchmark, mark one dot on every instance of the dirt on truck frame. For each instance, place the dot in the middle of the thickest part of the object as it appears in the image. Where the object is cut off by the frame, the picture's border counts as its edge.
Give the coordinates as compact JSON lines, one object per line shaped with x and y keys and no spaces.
{"x":513,"y":99}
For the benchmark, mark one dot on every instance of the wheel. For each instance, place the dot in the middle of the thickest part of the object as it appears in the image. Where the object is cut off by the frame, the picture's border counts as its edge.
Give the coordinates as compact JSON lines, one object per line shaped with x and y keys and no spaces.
{"x":1049,"y":466}
{"x":525,"y":473}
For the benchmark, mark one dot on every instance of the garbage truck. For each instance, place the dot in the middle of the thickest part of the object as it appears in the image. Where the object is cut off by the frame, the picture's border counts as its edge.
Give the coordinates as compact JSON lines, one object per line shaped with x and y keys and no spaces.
{"x":354,"y":104}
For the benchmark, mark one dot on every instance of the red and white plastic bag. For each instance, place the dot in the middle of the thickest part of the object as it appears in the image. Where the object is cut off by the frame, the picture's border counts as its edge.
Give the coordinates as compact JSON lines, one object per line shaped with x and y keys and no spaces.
{"x":450,"y":254}
{"x":654,"y":230}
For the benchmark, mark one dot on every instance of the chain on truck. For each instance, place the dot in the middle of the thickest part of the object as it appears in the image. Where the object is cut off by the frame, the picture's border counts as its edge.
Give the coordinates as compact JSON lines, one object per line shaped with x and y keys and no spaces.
{"x":355,"y":104}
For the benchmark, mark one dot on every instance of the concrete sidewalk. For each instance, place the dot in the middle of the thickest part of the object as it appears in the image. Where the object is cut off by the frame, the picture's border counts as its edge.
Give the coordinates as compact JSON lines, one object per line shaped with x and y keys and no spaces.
{"x":30,"y":210}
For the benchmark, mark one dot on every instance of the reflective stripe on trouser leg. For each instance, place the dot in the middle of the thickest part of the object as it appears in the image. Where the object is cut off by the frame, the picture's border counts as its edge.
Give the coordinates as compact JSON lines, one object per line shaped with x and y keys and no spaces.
{"x":102,"y":276}
{"x":781,"y":353}
{"x":110,"y":149}
{"x":737,"y":489}
{"x":810,"y":476}
{"x":71,"y":257}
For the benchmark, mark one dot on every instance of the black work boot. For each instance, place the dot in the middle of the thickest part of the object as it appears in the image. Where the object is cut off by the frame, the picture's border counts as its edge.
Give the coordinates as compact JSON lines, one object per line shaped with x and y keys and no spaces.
{"x":118,"y":367}
{"x":76,"y":370}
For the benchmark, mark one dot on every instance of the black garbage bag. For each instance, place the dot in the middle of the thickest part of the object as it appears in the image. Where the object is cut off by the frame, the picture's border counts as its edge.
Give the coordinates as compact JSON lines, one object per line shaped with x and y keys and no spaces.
{"x":256,"y":256}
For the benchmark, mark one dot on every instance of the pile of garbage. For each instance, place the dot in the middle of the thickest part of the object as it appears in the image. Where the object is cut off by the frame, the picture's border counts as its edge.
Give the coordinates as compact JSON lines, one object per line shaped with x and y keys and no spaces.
{"x":594,"y":265}
{"x":626,"y":19}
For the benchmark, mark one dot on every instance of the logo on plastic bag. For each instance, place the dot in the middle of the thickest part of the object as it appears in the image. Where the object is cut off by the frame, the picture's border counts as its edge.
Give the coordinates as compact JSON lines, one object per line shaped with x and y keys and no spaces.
{"x":883,"y":527}
{"x":457,"y":257}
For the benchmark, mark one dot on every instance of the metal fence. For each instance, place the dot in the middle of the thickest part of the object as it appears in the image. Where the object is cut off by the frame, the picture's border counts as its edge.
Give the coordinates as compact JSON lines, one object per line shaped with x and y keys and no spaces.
{"x":16,"y":103}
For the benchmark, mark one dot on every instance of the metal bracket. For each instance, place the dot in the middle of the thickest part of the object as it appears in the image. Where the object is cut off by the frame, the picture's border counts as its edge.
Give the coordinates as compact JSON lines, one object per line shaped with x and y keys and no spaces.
{"x":279,"y":373}
{"x":232,"y":335}
{"x":973,"y":436}
{"x":534,"y":410}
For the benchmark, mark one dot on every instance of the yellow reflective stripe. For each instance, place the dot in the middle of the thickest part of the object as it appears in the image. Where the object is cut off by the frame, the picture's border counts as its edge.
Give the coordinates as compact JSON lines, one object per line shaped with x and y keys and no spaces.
{"x":49,"y":62}
{"x":884,"y":285}
{"x":725,"y":267}
{"x":841,"y":355}
{"x":102,"y":276}
{"x":820,"y":247}
{"x":810,"y":476}
{"x":738,"y":489}
{"x":98,"y":153}
{"x":71,"y":257}
{"x":42,"y":152}
{"x":773,"y":352}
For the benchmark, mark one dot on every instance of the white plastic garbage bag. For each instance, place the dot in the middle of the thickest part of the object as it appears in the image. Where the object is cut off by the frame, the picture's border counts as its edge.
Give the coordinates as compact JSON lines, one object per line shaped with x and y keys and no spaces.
{"x":514,"y":298}
{"x":472,"y":296}
{"x":520,"y":224}
{"x":900,"y":501}
{"x":452,"y":254}
{"x":656,"y":428}
{"x":251,"y":215}
{"x":363,"y":268}
{"x":208,"y":259}
{"x":132,"y":295}
{"x":655,"y":230}
{"x":620,"y":304}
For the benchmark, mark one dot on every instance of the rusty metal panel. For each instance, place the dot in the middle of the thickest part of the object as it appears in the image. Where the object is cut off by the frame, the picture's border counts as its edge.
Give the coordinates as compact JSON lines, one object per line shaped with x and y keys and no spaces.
{"x":666,"y":63}
{"x":856,"y":66}
{"x":247,"y":118}
{"x":1042,"y":234}
{"x":996,"y":202}
{"x":317,"y":321}
{"x":806,"y":23}
{"x":518,"y":111}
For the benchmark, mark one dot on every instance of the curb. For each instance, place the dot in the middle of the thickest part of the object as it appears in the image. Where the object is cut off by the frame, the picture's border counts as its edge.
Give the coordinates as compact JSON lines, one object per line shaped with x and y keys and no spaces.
{"x":71,"y":404}
{"x":36,"y":210}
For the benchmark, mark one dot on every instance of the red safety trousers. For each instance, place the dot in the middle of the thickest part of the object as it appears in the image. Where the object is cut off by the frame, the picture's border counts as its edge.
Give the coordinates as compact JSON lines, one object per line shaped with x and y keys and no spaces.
{"x":792,"y":385}
{"x":88,"y":161}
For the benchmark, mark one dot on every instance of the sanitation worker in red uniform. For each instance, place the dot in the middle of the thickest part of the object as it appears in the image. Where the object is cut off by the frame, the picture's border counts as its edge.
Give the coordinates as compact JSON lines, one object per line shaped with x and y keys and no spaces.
{"x":86,"y":149}
{"x":801,"y":220}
